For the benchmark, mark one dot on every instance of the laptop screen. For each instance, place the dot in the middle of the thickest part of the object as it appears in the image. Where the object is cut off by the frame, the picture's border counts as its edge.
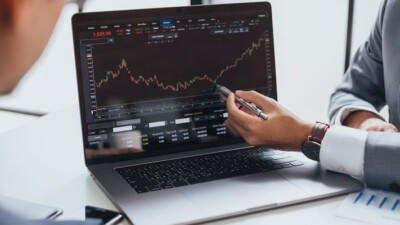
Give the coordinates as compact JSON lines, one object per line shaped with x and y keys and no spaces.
{"x":146,"y":77}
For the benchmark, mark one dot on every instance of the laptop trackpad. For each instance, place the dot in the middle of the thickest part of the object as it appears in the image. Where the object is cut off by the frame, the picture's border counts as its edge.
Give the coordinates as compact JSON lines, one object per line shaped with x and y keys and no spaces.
{"x":241,"y":193}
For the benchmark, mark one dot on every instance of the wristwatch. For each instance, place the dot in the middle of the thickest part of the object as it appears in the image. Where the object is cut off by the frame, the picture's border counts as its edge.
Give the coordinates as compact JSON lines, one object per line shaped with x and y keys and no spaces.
{"x":311,"y":148}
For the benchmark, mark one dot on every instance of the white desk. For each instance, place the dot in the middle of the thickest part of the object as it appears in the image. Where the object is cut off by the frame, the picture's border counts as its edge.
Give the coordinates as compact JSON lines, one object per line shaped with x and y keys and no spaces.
{"x":43,"y":162}
{"x":9,"y":120}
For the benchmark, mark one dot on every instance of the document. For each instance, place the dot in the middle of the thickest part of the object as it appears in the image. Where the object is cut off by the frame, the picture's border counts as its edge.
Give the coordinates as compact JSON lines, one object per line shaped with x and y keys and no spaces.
{"x":28,"y":210}
{"x":371,"y":206}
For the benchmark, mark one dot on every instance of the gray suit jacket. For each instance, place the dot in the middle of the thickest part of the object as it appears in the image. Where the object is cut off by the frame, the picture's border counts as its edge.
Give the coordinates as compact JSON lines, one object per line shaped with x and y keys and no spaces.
{"x":373,"y":80}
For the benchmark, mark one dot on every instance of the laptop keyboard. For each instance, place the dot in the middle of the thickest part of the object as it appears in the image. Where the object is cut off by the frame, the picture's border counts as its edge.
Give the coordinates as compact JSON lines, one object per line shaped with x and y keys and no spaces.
{"x":204,"y":168}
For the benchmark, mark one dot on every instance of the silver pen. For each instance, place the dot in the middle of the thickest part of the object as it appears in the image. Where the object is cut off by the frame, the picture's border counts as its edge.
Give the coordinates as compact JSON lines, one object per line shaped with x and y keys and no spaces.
{"x":225,"y":92}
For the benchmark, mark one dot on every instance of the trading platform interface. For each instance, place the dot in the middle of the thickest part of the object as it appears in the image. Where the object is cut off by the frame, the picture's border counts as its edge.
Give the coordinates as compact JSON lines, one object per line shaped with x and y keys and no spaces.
{"x":148,"y":83}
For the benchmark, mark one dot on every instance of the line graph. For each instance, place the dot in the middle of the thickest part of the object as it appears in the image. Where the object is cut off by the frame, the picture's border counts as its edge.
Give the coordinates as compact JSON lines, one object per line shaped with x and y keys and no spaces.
{"x":123,"y":68}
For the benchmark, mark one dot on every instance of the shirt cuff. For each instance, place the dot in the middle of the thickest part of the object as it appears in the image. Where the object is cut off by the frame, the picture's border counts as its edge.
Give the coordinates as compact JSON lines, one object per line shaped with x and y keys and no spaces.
{"x":345,"y":111}
{"x":342,"y":150}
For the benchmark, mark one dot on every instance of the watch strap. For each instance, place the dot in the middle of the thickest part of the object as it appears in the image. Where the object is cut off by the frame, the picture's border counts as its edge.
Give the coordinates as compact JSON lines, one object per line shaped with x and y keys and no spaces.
{"x":318,"y":132}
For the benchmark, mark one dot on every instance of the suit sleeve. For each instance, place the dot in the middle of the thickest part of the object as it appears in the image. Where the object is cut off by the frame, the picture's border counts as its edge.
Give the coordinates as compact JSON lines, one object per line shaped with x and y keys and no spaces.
{"x":362,"y":84}
{"x":373,"y":157}
{"x":382,"y":161}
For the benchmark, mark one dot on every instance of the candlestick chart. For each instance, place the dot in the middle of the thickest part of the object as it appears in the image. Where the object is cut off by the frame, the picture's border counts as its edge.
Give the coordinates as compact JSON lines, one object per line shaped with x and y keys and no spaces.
{"x":170,"y":72}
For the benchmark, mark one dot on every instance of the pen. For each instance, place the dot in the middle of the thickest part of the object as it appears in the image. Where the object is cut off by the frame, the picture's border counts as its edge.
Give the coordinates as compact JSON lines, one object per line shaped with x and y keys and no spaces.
{"x":225,"y":92}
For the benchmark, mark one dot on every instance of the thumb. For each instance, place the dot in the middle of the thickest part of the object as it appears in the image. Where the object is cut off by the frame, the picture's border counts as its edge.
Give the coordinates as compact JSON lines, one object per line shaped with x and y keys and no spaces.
{"x":261,"y":101}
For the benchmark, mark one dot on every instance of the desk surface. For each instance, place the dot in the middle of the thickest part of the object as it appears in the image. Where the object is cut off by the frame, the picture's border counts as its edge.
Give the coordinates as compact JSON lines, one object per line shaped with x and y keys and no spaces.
{"x":43,"y":162}
{"x":10,"y":120}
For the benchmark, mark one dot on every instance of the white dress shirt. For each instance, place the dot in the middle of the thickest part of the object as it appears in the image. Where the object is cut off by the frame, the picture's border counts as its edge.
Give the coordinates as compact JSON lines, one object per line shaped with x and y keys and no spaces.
{"x":342,"y":149}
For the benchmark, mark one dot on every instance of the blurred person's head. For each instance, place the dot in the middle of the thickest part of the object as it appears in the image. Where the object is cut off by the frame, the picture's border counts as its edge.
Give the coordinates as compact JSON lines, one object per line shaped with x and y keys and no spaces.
{"x":25,"y":28}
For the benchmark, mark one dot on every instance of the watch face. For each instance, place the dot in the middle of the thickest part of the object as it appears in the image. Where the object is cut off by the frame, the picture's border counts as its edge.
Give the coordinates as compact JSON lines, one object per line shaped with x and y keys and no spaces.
{"x":311,"y":150}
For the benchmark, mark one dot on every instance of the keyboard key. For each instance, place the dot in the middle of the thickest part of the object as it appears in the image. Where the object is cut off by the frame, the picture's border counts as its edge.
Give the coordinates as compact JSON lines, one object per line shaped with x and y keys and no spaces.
{"x":154,"y":188}
{"x":200,"y":169}
{"x":141,"y":189}
{"x":180,"y":183}
{"x":143,"y":184}
{"x":166,"y":186}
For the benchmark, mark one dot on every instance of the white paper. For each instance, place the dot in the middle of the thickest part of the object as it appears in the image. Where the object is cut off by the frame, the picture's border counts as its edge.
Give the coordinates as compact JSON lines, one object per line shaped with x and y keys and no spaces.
{"x":371,"y":206}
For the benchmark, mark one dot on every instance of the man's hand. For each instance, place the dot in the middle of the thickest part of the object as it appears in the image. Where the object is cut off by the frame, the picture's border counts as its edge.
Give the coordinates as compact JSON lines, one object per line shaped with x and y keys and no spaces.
{"x":282,"y":130}
{"x":368,"y":121}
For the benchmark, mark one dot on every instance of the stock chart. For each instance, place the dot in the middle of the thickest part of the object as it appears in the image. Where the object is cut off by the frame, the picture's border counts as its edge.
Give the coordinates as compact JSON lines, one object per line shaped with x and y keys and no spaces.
{"x":142,"y":71}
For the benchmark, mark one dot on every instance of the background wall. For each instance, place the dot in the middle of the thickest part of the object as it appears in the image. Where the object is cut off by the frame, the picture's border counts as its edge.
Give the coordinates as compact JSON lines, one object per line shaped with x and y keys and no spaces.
{"x":310,"y":37}
{"x":365,"y":14}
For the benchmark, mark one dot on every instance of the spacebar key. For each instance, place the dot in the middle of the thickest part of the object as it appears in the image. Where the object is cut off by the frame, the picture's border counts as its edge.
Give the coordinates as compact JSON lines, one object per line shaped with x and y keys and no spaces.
{"x":212,"y":178}
{"x":144,"y":184}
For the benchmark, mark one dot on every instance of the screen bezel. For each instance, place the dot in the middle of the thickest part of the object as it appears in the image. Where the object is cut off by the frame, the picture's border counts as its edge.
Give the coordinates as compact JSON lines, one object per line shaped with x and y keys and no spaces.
{"x":109,"y":17}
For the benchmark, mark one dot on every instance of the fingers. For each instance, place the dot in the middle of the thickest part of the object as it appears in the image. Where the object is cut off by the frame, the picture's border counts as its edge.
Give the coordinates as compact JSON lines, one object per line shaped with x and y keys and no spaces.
{"x":238,"y":130}
{"x":241,"y":118}
{"x":261,"y":101}
{"x":392,"y":128}
{"x":372,"y":124}
{"x":368,"y":121}
{"x":240,"y":123}
{"x":246,"y":110}
{"x":387,"y":127}
{"x":232,"y":129}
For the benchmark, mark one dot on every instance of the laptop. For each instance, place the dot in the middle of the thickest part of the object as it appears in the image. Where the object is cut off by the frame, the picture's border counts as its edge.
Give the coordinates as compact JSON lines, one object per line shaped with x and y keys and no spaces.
{"x":153,"y":129}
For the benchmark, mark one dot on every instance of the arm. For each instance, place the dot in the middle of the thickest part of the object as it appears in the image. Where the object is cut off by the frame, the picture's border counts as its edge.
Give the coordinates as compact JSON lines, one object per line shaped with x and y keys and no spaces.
{"x":282,"y":130}
{"x":382,"y":161}
{"x":368,"y":121}
{"x":362,"y":87}
{"x":369,"y":156}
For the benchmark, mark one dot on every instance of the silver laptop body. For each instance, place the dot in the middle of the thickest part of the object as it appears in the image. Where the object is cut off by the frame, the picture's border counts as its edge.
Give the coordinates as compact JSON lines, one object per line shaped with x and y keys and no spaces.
{"x":150,"y":117}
